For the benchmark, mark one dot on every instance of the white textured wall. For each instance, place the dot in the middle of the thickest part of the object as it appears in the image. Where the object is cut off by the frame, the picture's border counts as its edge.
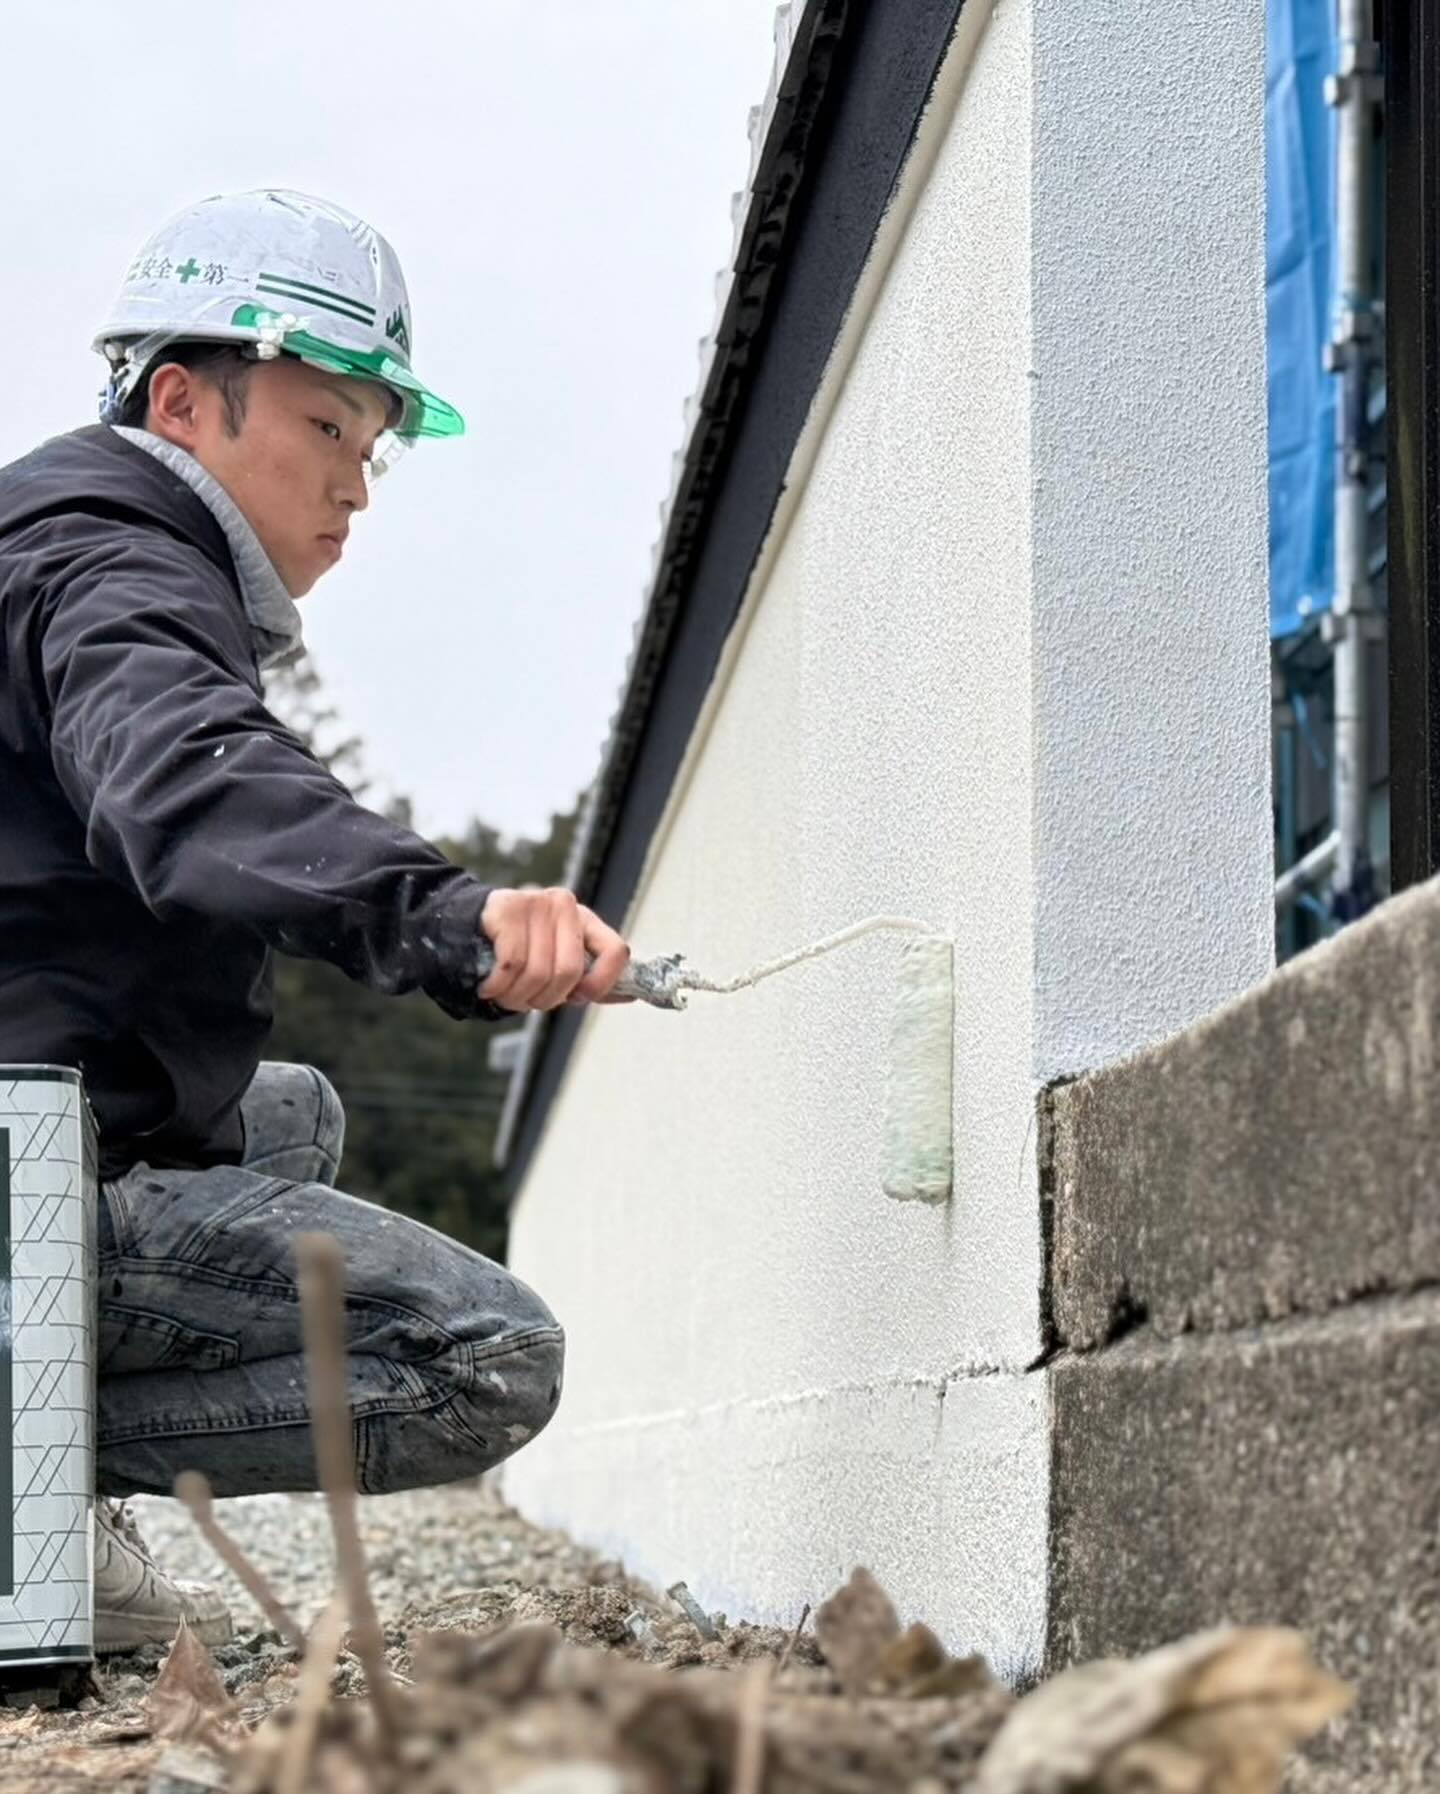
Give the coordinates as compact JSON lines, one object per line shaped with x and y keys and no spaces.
{"x":957,"y":697}
{"x":1154,"y":850}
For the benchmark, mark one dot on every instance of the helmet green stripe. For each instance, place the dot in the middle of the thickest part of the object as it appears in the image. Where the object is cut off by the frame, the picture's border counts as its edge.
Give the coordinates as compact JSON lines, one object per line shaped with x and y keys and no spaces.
{"x":312,"y":291}
{"x":341,"y":307}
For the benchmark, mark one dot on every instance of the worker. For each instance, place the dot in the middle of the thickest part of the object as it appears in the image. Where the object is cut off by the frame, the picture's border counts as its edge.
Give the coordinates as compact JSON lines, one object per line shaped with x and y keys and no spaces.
{"x":164,"y":833}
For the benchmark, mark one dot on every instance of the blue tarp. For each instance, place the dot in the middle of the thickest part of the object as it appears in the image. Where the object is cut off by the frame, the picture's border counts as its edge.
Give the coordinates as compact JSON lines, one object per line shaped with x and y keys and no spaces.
{"x":1299,"y":175}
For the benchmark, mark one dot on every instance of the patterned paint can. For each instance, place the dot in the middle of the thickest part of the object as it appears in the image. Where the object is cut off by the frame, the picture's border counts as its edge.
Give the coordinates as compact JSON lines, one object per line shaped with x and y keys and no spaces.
{"x":48,"y":1296}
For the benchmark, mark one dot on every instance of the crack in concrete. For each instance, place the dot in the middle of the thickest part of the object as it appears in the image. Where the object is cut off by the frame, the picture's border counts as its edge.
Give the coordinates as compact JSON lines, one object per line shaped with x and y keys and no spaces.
{"x":1045,"y":1134}
{"x":1131,"y":1317}
{"x":935,"y":1385}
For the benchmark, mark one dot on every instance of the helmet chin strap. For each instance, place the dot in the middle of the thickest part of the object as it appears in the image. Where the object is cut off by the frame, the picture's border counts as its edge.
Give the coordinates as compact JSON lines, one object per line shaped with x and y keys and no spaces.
{"x":127,"y":363}
{"x":112,"y":402}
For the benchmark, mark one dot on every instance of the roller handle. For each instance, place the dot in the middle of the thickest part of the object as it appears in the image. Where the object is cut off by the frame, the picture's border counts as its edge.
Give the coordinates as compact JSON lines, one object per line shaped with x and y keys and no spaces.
{"x":658,"y":982}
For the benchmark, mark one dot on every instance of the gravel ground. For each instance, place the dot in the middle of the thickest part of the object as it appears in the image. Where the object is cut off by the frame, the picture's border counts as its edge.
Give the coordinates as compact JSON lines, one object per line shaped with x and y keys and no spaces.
{"x":422,"y":1546}
{"x":453,"y":1559}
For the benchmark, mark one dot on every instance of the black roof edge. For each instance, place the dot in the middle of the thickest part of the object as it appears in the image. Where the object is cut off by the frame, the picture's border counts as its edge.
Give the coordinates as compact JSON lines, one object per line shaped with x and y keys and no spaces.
{"x":846,"y":109}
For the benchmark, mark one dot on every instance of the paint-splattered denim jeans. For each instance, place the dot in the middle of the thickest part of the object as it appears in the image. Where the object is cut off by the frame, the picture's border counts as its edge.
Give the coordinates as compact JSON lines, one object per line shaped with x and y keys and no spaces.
{"x":453,"y":1363}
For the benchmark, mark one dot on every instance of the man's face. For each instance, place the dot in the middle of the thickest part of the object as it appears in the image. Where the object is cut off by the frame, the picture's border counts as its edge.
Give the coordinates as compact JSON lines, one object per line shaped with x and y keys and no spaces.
{"x":297,"y":467}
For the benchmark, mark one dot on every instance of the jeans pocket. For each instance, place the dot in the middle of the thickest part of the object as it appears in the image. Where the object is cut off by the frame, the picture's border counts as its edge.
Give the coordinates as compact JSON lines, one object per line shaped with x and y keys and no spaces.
{"x":137,"y":1339}
{"x":115,"y":1229}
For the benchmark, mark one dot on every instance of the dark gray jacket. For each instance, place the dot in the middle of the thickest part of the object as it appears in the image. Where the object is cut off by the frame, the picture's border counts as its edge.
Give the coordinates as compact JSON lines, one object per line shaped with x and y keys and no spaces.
{"x":160,"y":830}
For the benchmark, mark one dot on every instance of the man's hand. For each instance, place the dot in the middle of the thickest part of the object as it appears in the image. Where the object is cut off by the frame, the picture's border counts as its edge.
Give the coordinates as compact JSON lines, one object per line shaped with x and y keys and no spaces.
{"x":544,"y":941}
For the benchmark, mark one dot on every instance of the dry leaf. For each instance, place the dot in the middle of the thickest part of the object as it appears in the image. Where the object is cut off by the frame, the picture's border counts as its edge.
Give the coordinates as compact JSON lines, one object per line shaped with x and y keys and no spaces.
{"x":1272,"y":1664}
{"x":853,"y":1629}
{"x":955,"y":1680}
{"x":188,"y":1699}
{"x":23,"y":1725}
{"x":504,"y":1665}
{"x":912,"y":1657}
{"x":859,"y":1633}
{"x":668,"y":1730}
{"x":185,"y":1770}
{"x":131,"y":1730}
{"x":338,"y":1771}
{"x":1218,"y":1713}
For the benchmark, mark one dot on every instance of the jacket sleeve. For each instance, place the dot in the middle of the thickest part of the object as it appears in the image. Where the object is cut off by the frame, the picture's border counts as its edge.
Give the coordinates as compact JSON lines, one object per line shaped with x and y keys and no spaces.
{"x":198,"y":799}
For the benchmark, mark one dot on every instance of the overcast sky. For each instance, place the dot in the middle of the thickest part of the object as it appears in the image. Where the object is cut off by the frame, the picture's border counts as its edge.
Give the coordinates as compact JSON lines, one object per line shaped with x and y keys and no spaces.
{"x":556,"y":178}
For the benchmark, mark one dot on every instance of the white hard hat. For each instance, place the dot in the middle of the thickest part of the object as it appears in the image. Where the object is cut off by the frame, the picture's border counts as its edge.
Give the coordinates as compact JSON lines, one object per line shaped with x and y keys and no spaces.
{"x":290,"y":274}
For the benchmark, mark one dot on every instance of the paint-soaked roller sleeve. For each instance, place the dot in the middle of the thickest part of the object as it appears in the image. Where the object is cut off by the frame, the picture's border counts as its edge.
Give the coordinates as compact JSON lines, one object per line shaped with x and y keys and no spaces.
{"x":918,"y":1150}
{"x":917,"y":1162}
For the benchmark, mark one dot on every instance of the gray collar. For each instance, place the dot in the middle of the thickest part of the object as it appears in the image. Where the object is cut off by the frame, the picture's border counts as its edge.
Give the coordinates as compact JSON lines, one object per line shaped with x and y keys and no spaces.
{"x":274,"y":619}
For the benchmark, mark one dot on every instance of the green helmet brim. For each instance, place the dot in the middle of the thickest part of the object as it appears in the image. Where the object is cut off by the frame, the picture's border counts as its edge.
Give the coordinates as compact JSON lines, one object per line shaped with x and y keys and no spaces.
{"x":425,"y":414}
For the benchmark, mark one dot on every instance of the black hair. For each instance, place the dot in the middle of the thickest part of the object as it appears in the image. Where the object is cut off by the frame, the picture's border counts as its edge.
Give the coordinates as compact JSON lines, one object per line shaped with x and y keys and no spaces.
{"x":223,"y":364}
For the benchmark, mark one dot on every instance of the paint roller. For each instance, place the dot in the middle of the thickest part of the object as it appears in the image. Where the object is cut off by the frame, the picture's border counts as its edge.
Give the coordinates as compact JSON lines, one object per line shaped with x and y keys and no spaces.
{"x":917,"y":1151}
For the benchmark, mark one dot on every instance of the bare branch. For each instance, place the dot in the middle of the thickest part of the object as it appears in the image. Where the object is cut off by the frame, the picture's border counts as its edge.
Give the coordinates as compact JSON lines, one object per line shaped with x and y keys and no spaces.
{"x":322,"y":1302}
{"x":193,"y":1489}
{"x":312,"y":1692}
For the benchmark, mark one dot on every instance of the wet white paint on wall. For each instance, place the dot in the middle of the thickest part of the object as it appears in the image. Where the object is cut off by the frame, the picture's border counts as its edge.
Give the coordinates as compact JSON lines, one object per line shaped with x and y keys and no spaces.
{"x":775,"y":1372}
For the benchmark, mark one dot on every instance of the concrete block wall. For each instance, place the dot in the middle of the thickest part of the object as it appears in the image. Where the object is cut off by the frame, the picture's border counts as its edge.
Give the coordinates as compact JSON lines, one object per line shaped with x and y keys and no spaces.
{"x":1243,"y":1292}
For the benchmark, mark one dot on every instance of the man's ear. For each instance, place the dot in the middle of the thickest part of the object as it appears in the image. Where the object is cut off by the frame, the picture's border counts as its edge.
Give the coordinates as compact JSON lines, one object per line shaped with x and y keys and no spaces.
{"x":174,"y":411}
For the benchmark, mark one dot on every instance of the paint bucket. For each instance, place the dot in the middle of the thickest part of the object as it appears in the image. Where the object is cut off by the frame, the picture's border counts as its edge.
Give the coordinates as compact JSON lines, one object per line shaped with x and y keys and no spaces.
{"x":48,"y":1298}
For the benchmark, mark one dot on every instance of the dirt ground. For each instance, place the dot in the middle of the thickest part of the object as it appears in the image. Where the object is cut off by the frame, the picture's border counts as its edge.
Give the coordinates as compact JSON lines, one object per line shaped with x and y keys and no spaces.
{"x":456,"y":1559}
{"x":515,"y":1662}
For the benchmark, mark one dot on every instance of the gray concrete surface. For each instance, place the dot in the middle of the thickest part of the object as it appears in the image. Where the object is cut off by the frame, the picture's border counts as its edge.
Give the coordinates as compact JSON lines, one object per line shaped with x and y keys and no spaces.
{"x":1287,"y":1474}
{"x":1283,"y":1155}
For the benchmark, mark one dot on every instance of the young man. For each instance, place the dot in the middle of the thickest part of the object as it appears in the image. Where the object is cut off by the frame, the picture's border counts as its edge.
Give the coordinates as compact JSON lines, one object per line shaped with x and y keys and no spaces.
{"x":163,"y":832}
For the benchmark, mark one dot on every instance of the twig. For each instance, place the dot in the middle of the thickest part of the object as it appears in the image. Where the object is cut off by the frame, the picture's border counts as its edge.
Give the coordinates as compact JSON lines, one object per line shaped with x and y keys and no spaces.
{"x":793,"y":1640}
{"x":193,"y":1489}
{"x":322,"y":1303}
{"x":312,"y":1691}
{"x":750,"y":1729}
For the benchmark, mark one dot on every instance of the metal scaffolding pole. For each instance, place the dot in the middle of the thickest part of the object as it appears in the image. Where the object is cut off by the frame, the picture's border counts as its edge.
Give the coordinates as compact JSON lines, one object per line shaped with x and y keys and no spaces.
{"x":1354,"y":623}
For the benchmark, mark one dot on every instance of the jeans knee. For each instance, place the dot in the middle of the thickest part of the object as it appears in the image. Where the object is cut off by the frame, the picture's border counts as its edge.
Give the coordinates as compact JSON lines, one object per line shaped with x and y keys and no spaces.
{"x":329,"y":1119}
{"x":516,"y":1386}
{"x":484,"y":1404}
{"x":294,"y":1123}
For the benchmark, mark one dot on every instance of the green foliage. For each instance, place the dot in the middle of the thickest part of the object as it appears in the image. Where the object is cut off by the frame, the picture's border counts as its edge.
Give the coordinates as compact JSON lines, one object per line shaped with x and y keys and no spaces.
{"x":500,"y":862}
{"x":421,"y":1104}
{"x":296,"y":696}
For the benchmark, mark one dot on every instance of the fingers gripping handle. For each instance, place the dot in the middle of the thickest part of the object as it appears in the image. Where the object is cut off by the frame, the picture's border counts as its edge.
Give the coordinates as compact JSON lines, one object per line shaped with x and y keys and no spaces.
{"x":659,"y":982}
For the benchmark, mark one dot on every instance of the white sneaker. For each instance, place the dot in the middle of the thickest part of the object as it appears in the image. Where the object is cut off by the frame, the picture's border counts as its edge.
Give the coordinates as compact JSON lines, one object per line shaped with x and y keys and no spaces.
{"x":136,"y":1603}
